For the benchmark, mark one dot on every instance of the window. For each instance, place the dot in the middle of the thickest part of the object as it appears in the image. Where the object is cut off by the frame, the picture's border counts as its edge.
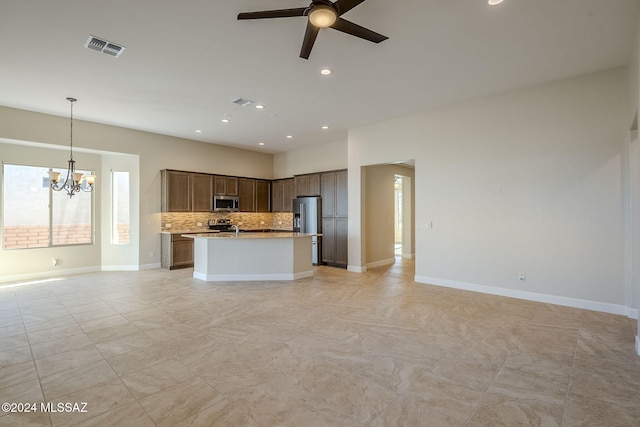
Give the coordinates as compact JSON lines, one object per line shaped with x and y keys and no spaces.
{"x":119,"y":207}
{"x":37,"y":217}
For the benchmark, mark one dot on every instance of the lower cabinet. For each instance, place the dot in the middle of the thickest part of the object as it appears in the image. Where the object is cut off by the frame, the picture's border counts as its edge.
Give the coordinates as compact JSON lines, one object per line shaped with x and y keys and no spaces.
{"x":177,"y":251}
{"x":334,"y":241}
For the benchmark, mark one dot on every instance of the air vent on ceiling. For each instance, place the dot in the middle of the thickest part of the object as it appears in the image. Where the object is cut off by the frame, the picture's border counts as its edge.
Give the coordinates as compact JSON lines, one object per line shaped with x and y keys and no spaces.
{"x":243,"y":102}
{"x":104,"y":46}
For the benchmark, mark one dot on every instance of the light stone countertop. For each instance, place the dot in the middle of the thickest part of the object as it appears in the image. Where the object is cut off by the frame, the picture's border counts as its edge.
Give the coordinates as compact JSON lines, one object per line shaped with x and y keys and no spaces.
{"x":207,"y":231}
{"x":255,"y":235}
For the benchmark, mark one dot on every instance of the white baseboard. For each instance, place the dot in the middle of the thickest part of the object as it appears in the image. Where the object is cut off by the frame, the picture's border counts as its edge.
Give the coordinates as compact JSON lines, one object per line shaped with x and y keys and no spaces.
{"x":48,"y":274}
{"x":120,"y":268}
{"x":251,"y":277}
{"x":149,"y":266}
{"x":408,"y":256}
{"x":531,"y":296}
{"x":357,"y":268}
{"x":381,"y":263}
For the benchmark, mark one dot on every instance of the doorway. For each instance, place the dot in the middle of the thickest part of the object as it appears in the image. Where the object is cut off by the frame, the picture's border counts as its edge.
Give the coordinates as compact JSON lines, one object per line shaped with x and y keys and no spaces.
{"x":397,"y":210}
{"x":402,"y":207}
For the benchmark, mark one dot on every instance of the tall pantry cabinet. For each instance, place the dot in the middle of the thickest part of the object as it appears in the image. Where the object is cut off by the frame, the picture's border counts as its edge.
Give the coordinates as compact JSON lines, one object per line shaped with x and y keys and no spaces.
{"x":333,"y":188}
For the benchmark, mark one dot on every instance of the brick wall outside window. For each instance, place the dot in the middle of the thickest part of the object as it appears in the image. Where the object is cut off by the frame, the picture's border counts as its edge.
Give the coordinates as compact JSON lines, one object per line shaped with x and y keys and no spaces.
{"x":37,"y":236}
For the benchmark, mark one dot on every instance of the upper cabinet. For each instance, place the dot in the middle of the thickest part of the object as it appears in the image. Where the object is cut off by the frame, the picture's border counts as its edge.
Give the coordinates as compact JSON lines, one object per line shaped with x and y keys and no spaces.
{"x":247,"y":194}
{"x":282,"y":194}
{"x":176,"y":191}
{"x":307,"y":185}
{"x":263,"y":196}
{"x":201,"y":191}
{"x":185,"y":191}
{"x":334,"y":194}
{"x":225,"y":185}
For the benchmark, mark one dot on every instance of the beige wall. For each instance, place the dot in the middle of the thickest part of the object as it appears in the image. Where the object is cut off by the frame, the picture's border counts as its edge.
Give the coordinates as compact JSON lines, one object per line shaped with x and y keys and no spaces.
{"x":525,"y":181}
{"x":317,"y":158}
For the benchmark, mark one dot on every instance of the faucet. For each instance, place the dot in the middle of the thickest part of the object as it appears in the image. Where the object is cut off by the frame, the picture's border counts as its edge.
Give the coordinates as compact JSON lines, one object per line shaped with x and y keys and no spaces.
{"x":236,"y":227}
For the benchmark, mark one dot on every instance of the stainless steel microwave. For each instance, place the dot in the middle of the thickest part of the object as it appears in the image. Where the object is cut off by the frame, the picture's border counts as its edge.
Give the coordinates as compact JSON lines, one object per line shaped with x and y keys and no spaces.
{"x":226,"y":203}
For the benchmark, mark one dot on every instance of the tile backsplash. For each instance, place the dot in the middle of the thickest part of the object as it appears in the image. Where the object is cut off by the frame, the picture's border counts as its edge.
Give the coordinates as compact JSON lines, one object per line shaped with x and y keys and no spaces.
{"x":190,"y":220}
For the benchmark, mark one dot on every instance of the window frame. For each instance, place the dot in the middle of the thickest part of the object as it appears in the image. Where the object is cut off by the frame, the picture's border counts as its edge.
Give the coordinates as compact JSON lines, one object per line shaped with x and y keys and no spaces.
{"x":50,"y":209}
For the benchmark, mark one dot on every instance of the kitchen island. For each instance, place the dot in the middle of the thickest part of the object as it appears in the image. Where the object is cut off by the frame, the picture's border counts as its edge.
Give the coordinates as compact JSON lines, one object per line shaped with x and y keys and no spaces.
{"x":251,"y":256}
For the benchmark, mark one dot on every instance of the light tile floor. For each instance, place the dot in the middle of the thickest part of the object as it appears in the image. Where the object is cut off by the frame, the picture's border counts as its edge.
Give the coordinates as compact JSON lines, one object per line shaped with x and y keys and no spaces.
{"x":159,"y":348}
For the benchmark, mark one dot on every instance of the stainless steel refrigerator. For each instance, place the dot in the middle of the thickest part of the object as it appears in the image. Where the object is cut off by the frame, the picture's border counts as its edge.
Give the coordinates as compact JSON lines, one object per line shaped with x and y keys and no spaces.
{"x":307,"y":218}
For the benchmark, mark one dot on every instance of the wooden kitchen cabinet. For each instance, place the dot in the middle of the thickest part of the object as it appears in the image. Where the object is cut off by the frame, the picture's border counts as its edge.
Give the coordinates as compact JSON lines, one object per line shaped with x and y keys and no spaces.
{"x":288,"y":195}
{"x":247,"y":194}
{"x":176,"y":251}
{"x":307,"y":185}
{"x":282,"y":195}
{"x":335,"y":222}
{"x":225,"y":185}
{"x":202,"y":192}
{"x":334,"y":241}
{"x":263,"y":196}
{"x":186,"y":191}
{"x":176,"y":191}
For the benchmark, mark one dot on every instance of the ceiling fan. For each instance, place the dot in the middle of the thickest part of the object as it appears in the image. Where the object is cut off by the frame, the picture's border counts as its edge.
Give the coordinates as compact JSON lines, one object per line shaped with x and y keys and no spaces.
{"x":321,"y":14}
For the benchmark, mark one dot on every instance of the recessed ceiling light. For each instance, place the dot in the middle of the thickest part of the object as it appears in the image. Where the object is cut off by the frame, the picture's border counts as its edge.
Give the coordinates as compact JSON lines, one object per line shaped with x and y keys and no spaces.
{"x":198,"y":131}
{"x":261,"y":143}
{"x":259,"y":107}
{"x":225,"y":120}
{"x":325,"y":127}
{"x":495,"y":2}
{"x":325,"y":71}
{"x":289,"y":136}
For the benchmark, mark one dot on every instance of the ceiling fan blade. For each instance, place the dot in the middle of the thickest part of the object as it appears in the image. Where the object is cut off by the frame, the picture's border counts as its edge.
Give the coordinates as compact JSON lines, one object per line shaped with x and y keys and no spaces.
{"x":358,"y":31}
{"x":309,"y":39}
{"x":345,"y":6}
{"x":280,"y":13}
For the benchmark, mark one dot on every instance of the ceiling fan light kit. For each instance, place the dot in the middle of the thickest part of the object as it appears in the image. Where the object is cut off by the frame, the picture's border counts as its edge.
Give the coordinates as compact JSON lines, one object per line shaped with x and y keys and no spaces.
{"x":320,"y":14}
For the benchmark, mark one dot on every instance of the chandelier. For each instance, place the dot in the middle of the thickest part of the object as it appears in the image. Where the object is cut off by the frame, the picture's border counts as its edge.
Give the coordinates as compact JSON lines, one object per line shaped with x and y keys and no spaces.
{"x":75,"y":181}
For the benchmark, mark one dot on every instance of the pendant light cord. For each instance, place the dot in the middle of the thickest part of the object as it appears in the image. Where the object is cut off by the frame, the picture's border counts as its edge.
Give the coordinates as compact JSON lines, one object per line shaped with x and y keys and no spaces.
{"x":71,"y":100}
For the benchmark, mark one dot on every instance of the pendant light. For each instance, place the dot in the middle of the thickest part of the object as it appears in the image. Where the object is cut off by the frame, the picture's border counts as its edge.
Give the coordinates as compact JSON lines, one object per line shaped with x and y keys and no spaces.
{"x":75,"y":181}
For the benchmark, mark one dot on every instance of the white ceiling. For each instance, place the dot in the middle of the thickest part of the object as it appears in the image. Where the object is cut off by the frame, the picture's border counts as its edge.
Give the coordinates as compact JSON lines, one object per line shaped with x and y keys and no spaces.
{"x":186,"y":61}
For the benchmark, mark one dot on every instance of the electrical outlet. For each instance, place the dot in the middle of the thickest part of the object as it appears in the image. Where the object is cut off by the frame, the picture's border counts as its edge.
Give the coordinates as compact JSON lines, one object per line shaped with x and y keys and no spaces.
{"x":54,"y":261}
{"x":198,"y":224}
{"x":522,"y":277}
{"x":168,"y":225}
{"x":152,"y":254}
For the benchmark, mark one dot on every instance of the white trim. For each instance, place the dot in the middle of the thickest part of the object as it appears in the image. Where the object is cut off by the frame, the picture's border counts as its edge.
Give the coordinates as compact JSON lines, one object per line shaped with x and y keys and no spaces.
{"x":531,"y":296}
{"x":131,"y":267}
{"x":638,"y":345}
{"x":149,"y":266}
{"x":49,"y":273}
{"x":250,"y":277}
{"x":356,"y":268}
{"x":381,"y":263}
{"x":408,"y":256}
